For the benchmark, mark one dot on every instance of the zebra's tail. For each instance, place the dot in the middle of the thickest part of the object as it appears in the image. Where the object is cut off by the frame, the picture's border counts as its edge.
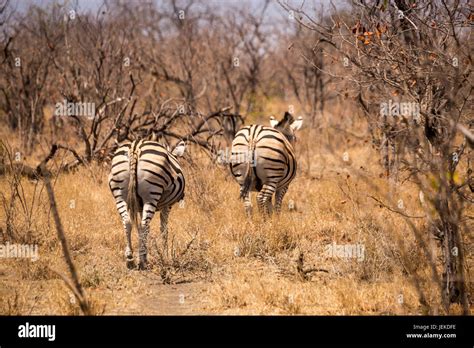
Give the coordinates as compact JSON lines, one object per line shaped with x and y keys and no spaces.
{"x":133,"y":203}
{"x":248,"y":181}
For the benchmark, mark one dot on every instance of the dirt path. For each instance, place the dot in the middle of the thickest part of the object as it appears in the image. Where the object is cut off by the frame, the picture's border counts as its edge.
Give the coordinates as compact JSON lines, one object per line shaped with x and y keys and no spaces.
{"x":137,"y":293}
{"x":150,"y":296}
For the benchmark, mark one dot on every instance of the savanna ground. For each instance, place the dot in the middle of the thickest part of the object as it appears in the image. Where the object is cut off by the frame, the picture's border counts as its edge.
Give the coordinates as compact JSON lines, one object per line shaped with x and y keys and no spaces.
{"x":220,"y":262}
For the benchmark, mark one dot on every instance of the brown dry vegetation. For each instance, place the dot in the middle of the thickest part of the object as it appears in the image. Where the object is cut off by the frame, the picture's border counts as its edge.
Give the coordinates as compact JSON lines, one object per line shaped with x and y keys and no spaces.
{"x":222,"y":263}
{"x":196,"y":71}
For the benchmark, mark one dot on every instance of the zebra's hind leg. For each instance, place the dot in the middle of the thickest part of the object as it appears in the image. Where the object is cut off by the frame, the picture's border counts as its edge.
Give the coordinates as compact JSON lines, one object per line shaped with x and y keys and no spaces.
{"x":164,"y":213}
{"x":264,"y":199}
{"x":148,"y":213}
{"x":127,"y":225}
{"x":279,"y":194}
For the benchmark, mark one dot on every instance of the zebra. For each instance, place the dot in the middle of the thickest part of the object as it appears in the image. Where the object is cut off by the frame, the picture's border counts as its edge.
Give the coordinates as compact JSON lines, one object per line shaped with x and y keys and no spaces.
{"x":145,"y":177}
{"x":263,"y":160}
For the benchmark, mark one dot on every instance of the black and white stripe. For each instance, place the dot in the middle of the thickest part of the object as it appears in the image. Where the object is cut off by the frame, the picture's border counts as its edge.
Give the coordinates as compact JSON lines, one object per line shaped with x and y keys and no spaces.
{"x":145,"y":178}
{"x":263,"y":160}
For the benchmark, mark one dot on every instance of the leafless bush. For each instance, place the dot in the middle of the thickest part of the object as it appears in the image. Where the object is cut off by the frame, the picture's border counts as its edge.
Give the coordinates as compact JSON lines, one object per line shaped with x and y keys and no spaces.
{"x":420,"y":54}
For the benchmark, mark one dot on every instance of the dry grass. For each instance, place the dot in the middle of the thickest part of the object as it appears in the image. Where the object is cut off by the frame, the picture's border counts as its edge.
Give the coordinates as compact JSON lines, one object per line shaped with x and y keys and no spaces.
{"x":221,"y":262}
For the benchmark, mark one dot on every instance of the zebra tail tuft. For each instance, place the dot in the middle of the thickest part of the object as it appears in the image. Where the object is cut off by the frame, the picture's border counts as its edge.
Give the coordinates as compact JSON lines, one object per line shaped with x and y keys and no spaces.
{"x":249,"y":175}
{"x":132,"y":197}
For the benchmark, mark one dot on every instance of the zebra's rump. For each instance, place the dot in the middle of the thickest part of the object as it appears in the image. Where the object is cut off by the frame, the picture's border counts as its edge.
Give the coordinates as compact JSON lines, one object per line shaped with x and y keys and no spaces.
{"x":159,"y":178}
{"x":269,"y":154}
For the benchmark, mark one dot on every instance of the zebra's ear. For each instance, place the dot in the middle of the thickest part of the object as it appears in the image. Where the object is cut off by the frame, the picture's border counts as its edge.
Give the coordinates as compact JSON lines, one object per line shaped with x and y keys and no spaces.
{"x":296,"y":125}
{"x":179,"y":149}
{"x":273,"y":121}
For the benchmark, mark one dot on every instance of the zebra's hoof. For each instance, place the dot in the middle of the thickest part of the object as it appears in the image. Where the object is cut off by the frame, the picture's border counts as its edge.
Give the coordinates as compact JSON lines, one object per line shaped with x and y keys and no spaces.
{"x":142,"y":266}
{"x":130,"y":263}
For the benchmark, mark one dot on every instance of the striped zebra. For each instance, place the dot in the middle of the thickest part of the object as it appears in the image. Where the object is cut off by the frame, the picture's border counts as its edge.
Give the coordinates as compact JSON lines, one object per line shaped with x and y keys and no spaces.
{"x":145,"y":178}
{"x":263,"y":160}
